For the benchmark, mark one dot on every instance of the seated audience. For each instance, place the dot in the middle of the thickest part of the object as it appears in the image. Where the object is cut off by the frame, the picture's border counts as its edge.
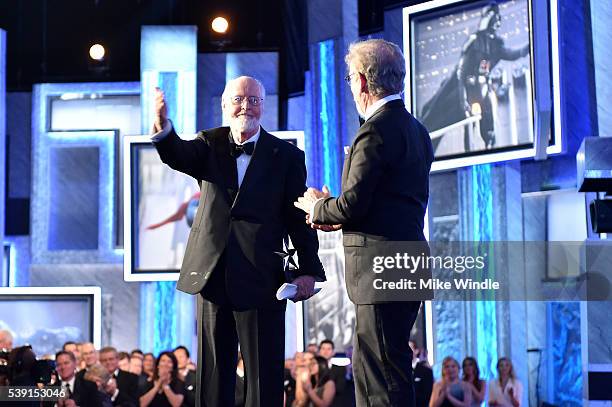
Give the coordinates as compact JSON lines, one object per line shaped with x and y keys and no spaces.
{"x":165,"y":389}
{"x":123,"y":387}
{"x":506,"y":390}
{"x":78,"y":390}
{"x":314,"y":387}
{"x":450,"y":391}
{"x":471,"y":375}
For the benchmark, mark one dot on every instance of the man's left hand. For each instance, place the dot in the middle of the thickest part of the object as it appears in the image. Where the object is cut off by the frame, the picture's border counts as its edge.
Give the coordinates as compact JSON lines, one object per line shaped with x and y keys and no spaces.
{"x":305,"y":288}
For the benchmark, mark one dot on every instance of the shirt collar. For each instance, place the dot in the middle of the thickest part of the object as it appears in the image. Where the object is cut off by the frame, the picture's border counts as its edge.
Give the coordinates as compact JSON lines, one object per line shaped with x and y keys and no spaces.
{"x":70,"y":382}
{"x":251,"y":140}
{"x":378,"y":104}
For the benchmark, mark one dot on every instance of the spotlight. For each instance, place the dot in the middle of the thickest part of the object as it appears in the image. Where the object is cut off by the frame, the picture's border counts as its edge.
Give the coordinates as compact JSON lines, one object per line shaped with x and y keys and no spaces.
{"x":219,"y":25}
{"x":97,"y":52}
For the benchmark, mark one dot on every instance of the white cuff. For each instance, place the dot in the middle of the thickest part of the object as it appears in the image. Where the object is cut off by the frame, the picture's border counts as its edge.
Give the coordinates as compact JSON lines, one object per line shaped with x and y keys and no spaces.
{"x":160,"y":135}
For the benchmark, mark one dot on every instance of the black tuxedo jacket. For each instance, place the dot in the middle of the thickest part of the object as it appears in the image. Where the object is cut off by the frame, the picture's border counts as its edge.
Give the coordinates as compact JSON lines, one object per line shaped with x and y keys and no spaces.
{"x":127,"y":383}
{"x":385,"y":188}
{"x":84,"y":392}
{"x":247,"y":224}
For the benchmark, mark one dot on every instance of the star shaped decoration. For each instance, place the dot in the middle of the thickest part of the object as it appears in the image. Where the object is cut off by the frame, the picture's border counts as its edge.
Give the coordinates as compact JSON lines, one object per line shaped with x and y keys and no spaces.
{"x":288,"y":256}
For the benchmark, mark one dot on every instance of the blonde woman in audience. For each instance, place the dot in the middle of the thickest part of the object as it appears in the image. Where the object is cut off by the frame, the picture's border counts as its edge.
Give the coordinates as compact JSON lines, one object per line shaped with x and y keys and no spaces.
{"x":471,"y":375}
{"x":506,"y":390}
{"x":450,"y":391}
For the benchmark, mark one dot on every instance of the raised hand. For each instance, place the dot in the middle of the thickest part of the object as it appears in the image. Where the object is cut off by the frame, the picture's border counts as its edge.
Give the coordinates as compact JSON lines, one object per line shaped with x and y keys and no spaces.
{"x":161,"y":111}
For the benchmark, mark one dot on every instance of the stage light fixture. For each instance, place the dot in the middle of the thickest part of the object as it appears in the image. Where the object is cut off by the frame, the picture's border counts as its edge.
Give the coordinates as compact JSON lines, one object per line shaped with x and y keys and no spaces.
{"x":219,"y":25}
{"x":96,"y":52}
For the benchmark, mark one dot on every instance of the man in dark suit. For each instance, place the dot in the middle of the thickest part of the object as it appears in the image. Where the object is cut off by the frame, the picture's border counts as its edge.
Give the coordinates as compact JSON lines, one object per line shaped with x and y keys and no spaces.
{"x":123,"y":386}
{"x":79,"y":392}
{"x":384,"y":196}
{"x":248,"y":180}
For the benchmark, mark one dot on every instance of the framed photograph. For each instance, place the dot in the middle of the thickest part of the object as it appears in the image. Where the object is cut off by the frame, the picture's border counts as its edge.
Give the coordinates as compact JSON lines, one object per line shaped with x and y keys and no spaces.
{"x":159,"y":206}
{"x":473,"y":74}
{"x":46,"y":317}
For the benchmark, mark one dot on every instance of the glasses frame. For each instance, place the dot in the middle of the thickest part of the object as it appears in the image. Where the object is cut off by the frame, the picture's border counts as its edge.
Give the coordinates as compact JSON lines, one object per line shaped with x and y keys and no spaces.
{"x":252,"y":100}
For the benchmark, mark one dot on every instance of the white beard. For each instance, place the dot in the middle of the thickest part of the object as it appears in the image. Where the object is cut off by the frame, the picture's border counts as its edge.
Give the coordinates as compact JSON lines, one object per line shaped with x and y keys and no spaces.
{"x":243,"y":124}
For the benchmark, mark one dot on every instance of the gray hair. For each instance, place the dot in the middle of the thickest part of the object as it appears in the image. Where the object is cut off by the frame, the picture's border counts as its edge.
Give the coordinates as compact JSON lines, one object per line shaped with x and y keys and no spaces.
{"x":381,"y":62}
{"x":227,"y":86}
{"x":97,"y":370}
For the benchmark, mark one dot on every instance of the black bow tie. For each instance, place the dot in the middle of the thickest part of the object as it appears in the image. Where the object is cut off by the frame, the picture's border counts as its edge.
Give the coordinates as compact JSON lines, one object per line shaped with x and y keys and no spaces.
{"x":237,"y":149}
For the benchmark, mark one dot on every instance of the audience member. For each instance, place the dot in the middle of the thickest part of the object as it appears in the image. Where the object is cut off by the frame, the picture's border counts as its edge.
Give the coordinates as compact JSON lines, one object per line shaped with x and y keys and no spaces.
{"x":6,"y":339}
{"x":89,"y":354}
{"x":327,"y":350}
{"x":136,"y":368}
{"x":137,"y":353}
{"x":100,"y":377}
{"x":471,"y":375}
{"x":148,"y":365}
{"x":123,"y":387}
{"x":165,"y":389}
{"x":76,"y":351}
{"x":450,"y":391}
{"x":124,"y":361}
{"x":186,"y":374}
{"x":506,"y":390}
{"x":314,"y":387}
{"x":423,"y":377}
{"x":312,"y":348}
{"x":78,"y":391}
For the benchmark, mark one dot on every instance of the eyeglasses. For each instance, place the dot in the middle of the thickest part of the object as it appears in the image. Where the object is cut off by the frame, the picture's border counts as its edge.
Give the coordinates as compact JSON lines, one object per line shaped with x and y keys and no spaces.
{"x":252,"y":100}
{"x":347,"y":78}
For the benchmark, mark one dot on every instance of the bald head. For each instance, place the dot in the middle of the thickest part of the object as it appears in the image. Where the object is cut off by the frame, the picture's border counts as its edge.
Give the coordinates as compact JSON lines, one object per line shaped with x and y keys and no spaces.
{"x":6,"y":339}
{"x":242,"y":103}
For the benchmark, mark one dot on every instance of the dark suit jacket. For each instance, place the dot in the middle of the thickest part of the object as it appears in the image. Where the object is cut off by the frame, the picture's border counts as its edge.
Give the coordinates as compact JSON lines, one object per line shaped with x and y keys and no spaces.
{"x":385,"y":187}
{"x":84,"y":393}
{"x":127,"y":383}
{"x":247,"y":224}
{"x":423,"y":384}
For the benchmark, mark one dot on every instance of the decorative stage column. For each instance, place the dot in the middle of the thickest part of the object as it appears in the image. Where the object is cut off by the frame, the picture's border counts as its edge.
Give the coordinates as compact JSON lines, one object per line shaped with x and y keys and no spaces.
{"x":3,"y":144}
{"x":168,"y":60}
{"x":334,"y":121}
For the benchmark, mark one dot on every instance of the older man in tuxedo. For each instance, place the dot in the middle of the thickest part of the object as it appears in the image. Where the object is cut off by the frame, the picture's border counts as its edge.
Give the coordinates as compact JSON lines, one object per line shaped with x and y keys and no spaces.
{"x":385,"y":187}
{"x":249,"y":180}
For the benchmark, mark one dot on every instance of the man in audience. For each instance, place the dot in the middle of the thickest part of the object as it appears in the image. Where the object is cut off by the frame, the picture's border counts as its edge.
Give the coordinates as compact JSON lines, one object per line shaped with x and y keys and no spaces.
{"x":423,"y":376}
{"x":137,"y":353}
{"x":6,"y":339}
{"x":186,"y":374}
{"x":79,"y":392}
{"x":123,"y":388}
{"x":89,"y":354}
{"x":136,"y":363}
{"x":74,"y":348}
{"x":124,"y":361}
{"x":312,"y":348}
{"x":337,"y":373}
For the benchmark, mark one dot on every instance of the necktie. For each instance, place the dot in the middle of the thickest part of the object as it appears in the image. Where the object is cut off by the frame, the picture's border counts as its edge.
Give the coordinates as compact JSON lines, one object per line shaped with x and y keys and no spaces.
{"x":237,"y":149}
{"x":68,"y":391}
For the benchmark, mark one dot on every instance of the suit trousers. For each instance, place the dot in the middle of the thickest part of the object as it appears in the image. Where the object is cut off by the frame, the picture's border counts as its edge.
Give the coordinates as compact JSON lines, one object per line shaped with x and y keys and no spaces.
{"x":261,"y":334}
{"x":382,"y":358}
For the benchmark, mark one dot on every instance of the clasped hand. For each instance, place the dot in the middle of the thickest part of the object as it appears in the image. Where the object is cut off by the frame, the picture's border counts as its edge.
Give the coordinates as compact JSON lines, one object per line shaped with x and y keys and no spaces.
{"x":307,"y":202}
